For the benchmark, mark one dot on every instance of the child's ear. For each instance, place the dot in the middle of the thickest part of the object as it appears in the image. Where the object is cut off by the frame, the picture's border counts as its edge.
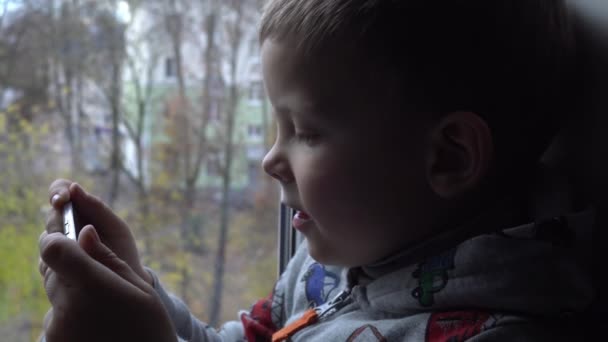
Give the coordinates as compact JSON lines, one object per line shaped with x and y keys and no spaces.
{"x":461,"y":150}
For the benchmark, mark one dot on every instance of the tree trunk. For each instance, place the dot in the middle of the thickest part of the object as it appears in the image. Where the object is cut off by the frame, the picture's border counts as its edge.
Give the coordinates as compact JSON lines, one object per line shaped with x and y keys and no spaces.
{"x":144,"y":203}
{"x":68,"y":114}
{"x":220,"y":260}
{"x":117,"y":58}
{"x":115,"y":154}
{"x":192,"y":225}
{"x":77,"y":155}
{"x":174,"y":26}
{"x":144,"y":211}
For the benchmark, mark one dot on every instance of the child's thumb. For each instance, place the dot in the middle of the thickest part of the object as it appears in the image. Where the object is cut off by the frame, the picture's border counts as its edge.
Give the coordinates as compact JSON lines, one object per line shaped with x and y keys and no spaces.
{"x":91,"y":243}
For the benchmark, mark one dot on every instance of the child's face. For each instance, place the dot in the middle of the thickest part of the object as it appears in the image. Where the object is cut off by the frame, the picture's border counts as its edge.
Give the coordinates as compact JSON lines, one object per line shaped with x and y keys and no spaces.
{"x":345,"y":157}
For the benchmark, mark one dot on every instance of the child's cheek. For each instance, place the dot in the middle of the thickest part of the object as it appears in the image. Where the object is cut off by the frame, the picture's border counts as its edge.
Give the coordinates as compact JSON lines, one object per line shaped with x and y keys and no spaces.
{"x":333,"y":191}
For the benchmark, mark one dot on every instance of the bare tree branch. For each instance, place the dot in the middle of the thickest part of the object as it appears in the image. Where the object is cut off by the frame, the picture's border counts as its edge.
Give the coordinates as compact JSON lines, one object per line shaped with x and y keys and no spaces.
{"x":130,"y":176}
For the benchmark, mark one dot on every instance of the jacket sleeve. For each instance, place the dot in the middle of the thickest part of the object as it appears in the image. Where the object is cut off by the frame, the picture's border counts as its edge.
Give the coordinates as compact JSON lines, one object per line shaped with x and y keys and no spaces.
{"x":188,"y":327}
{"x":265,"y":317}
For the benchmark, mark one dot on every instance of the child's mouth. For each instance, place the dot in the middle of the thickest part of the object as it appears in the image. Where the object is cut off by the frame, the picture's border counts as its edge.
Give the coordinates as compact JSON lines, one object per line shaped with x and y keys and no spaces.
{"x":300,"y":219}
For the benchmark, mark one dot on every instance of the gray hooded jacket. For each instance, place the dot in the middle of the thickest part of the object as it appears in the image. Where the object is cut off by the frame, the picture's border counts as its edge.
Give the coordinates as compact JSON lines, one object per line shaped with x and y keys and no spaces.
{"x":524,"y":283}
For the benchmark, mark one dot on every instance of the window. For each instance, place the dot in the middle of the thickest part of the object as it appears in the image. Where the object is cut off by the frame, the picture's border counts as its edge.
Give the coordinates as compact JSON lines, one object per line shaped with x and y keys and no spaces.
{"x":112,"y":70}
{"x":256,"y":91}
{"x":254,"y":45}
{"x":169,"y":67}
{"x":289,"y":238}
{"x":254,"y":131}
{"x":214,"y":168}
{"x":214,"y":111}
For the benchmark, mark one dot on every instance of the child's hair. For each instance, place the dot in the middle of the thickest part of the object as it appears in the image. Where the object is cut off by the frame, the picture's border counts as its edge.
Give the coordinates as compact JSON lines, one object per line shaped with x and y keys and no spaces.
{"x":510,"y":61}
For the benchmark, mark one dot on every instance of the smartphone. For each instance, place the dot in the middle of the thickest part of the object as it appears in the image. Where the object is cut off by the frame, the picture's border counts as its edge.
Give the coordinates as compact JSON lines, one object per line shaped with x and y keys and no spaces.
{"x":69,"y":225}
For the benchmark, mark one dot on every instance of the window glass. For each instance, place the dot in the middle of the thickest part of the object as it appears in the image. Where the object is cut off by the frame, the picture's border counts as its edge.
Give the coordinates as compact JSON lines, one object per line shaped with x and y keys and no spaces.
{"x":155,"y":107}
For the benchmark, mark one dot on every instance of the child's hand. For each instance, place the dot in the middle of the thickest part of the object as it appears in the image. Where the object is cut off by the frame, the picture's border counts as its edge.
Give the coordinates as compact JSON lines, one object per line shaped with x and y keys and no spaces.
{"x":113,"y":231}
{"x":96,"y":296}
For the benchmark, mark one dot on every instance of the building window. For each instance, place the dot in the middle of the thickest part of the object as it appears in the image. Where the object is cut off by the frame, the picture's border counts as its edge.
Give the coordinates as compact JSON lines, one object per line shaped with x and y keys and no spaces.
{"x":213,"y":166}
{"x":254,"y":131}
{"x":256,"y":68}
{"x":214,"y":111}
{"x":169,"y":67}
{"x":256,"y":91}
{"x":254,"y":46}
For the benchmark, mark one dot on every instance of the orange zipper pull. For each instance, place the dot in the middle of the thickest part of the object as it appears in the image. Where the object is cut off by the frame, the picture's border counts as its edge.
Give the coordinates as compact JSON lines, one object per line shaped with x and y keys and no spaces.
{"x":309,"y":317}
{"x":312,"y":316}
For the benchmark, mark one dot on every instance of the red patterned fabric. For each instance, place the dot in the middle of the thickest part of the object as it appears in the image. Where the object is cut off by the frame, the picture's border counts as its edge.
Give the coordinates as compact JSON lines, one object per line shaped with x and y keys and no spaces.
{"x":258,"y":323}
{"x":455,"y":326}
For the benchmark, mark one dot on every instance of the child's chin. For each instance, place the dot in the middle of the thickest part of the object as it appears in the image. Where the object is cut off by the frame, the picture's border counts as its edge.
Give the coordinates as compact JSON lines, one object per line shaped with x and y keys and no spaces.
{"x":320,"y":255}
{"x":324,"y":255}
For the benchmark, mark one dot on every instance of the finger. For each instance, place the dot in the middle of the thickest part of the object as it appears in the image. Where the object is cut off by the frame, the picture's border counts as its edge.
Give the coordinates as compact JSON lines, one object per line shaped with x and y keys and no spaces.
{"x":57,"y":288}
{"x":66,"y":300}
{"x":59,"y":193}
{"x":92,"y":245}
{"x":54,"y":221}
{"x":42,"y":236}
{"x":42,"y":267}
{"x":61,"y":254}
{"x":50,"y":283}
{"x":93,"y":210}
{"x":105,"y":274}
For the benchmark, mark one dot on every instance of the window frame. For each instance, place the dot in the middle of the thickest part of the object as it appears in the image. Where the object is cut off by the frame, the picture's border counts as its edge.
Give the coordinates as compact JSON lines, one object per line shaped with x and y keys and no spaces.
{"x":289,"y":238}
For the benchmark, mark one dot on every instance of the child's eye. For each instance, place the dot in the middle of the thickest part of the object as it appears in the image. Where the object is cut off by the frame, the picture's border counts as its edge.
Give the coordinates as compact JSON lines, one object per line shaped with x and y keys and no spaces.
{"x":307,"y":138}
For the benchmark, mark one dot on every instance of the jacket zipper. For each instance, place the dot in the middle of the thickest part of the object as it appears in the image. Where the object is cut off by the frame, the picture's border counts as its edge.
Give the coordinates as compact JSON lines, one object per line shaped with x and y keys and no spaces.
{"x":312,"y":316}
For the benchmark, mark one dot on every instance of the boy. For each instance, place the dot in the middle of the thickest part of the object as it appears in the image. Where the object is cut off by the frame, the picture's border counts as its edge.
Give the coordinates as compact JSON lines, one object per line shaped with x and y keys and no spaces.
{"x":408,"y":138}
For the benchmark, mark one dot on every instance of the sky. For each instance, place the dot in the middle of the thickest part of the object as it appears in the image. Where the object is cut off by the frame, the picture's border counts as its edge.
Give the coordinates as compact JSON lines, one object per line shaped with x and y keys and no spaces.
{"x":9,"y":5}
{"x":122,"y":10}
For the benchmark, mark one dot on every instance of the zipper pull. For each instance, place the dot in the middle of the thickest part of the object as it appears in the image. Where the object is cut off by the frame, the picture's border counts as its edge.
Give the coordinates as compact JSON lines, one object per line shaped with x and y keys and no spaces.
{"x":312,"y":316}
{"x":329,"y":308}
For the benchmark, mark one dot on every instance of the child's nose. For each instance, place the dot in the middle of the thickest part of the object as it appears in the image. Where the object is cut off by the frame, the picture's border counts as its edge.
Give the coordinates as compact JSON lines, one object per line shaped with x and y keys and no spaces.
{"x":276,"y":165}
